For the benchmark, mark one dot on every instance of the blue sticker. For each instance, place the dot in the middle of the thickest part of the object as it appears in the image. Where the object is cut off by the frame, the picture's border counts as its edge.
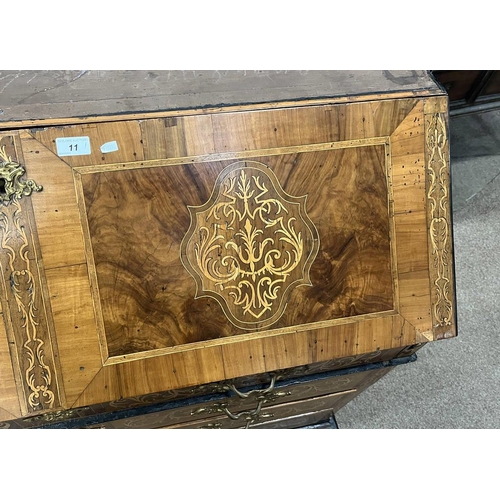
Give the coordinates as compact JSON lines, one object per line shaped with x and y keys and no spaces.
{"x":109,"y":147}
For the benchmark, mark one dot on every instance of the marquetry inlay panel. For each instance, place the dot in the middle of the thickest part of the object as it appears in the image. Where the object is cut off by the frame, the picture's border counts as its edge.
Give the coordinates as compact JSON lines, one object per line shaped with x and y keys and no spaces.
{"x":439,"y":220}
{"x":250,"y":245}
{"x":213,"y":249}
{"x":200,"y":241}
{"x":22,"y":292}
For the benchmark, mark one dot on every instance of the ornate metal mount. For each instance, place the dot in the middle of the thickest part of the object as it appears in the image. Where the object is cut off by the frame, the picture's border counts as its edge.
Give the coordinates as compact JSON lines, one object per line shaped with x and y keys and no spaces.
{"x":262,"y":396}
{"x":11,"y":184}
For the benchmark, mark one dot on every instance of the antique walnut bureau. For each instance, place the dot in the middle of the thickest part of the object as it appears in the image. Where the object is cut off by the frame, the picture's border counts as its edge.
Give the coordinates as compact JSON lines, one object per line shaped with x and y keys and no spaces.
{"x":217,"y":249}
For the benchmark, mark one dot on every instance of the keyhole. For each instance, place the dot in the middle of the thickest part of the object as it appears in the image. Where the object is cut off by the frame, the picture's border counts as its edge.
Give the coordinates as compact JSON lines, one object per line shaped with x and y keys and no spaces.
{"x":2,"y":186}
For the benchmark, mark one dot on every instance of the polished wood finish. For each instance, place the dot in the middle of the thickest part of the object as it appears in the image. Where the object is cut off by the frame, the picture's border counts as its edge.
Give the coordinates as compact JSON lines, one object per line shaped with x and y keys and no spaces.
{"x":24,"y":297}
{"x":136,"y":236}
{"x":330,"y":374}
{"x":286,"y":402}
{"x":270,"y":407}
{"x":10,"y":408}
{"x":223,"y":243}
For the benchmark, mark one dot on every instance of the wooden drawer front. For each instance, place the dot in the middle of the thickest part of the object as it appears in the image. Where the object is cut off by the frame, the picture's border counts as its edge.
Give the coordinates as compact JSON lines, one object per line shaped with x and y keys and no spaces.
{"x":290,"y":422}
{"x":293,"y":421}
{"x":275,"y":416}
{"x":221,"y":407}
{"x":299,"y":413}
{"x":302,"y":420}
{"x":284,"y":401}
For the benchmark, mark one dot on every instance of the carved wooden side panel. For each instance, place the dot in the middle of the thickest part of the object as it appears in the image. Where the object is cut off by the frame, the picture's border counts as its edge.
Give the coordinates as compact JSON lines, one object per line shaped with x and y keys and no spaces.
{"x":22,"y":294}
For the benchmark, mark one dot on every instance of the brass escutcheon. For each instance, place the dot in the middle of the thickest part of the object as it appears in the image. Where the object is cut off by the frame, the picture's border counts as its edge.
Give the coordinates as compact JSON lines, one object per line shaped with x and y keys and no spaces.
{"x":11,"y":184}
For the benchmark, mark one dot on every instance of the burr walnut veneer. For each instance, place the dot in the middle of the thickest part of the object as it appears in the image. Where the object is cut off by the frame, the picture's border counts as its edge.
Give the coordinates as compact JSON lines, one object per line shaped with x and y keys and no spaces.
{"x":164,"y":231}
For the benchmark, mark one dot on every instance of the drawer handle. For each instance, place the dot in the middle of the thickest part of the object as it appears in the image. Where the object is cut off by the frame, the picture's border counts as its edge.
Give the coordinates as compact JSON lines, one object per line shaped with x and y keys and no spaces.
{"x":11,"y":184}
{"x":262,"y":396}
{"x":258,"y":393}
{"x":249,"y":417}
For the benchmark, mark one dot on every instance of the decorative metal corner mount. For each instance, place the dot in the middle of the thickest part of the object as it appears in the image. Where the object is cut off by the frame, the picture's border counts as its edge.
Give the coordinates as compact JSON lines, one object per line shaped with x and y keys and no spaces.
{"x":11,"y":184}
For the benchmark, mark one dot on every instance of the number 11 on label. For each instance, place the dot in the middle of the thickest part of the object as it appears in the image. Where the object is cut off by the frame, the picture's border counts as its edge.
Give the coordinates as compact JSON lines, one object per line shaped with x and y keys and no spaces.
{"x":73,"y":146}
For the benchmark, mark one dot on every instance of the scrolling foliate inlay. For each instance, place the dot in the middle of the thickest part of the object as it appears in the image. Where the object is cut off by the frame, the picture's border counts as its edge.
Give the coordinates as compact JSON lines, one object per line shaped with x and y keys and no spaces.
{"x":438,"y":201}
{"x":250,"y":245}
{"x":22,"y":298}
{"x":23,"y":285}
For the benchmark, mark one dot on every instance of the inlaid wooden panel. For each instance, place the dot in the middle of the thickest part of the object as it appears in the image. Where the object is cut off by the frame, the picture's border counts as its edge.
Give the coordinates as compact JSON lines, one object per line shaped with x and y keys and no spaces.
{"x":9,"y":357}
{"x":127,"y":136}
{"x":411,"y":229}
{"x":252,"y":354}
{"x":410,"y":206}
{"x":323,"y":341}
{"x":187,"y":368}
{"x":76,"y":327}
{"x":403,"y":332}
{"x":58,"y":219}
{"x":360,"y":335}
{"x":227,"y":243}
{"x":150,"y":249}
{"x":9,"y":403}
{"x":175,"y":137}
{"x":27,"y":312}
{"x":282,"y":128}
{"x":105,"y":386}
{"x":441,"y":263}
{"x":408,"y":163}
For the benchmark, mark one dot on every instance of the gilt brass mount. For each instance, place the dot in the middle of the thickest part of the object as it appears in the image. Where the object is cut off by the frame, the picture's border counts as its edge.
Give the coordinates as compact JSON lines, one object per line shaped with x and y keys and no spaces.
{"x":11,"y":184}
{"x":262,"y":396}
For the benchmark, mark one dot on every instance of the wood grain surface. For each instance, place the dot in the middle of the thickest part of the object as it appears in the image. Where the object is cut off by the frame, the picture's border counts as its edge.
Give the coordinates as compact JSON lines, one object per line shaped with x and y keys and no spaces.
{"x":285,"y":401}
{"x":176,"y":398}
{"x":130,"y":298}
{"x":9,"y":400}
{"x":138,"y":219}
{"x":24,"y":296}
